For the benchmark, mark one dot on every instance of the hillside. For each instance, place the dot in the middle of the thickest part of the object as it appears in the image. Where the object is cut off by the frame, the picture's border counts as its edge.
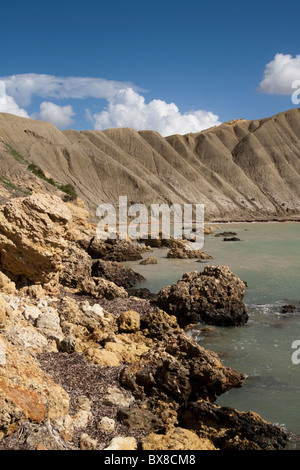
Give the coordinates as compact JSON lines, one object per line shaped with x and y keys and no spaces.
{"x":239,"y":170}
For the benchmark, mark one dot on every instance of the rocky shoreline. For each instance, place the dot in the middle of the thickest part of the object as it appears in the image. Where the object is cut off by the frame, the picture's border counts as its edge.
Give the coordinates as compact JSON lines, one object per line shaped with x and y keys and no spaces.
{"x":86,"y":365}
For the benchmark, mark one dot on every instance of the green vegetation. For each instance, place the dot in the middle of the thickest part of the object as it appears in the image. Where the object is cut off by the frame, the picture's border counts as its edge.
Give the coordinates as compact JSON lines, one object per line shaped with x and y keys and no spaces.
{"x":17,"y":156}
{"x":7,"y":183}
{"x":12,"y":186}
{"x":68,"y":189}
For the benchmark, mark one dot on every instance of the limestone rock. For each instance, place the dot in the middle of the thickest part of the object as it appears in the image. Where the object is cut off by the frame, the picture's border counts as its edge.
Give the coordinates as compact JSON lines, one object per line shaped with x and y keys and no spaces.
{"x":101,"y":288}
{"x":104,"y":358}
{"x":129,"y":321}
{"x":231,"y":429}
{"x":6,"y":285}
{"x":214,"y":296}
{"x":122,"y":276}
{"x":159,"y":324}
{"x":115,"y":396}
{"x":178,"y":370}
{"x":49,"y":324}
{"x":122,"y":443}
{"x":138,"y":418}
{"x":177,"y":439}
{"x":106,"y":424}
{"x":33,"y":232}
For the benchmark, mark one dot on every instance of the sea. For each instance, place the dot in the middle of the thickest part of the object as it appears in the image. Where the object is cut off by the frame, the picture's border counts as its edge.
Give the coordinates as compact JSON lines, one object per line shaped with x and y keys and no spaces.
{"x":267,"y":258}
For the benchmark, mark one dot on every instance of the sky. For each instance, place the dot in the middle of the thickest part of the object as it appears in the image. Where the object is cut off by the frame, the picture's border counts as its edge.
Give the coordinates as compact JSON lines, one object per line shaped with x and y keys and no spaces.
{"x":170,"y":66}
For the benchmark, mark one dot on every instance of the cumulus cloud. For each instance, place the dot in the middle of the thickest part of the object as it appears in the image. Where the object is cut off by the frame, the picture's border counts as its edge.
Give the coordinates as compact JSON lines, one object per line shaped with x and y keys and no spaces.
{"x":60,"y":116}
{"x":24,"y":87}
{"x":8,"y":104}
{"x":280,"y":74}
{"x":127,"y":108}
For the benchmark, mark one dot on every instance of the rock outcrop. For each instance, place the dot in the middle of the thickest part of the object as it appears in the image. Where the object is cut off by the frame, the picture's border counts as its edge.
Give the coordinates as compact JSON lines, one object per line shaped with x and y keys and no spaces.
{"x":34,"y":234}
{"x":214,"y":296}
{"x":83,"y":365}
{"x":230,"y":429}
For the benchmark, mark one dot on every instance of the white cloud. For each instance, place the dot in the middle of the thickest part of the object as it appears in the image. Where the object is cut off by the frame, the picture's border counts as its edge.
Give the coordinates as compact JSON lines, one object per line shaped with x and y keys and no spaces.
{"x":8,"y":104}
{"x":127,"y":108}
{"x":23,"y":87}
{"x":280,"y":74}
{"x":60,"y":116}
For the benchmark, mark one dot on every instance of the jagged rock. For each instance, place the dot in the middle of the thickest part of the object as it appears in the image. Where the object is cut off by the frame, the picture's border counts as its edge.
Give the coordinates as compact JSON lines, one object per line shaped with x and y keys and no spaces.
{"x":101,"y":288}
{"x":214,"y":296}
{"x":177,"y":439}
{"x":107,"y":424}
{"x":122,"y":276}
{"x":33,"y":237}
{"x":180,"y":370}
{"x":113,"y":250}
{"x":142,"y":293}
{"x":6,"y":285}
{"x":288,"y":308}
{"x":182,"y":251}
{"x":136,"y":418}
{"x":159,"y":324}
{"x":230,"y":429}
{"x":129,"y":321}
{"x":49,"y":325}
{"x":76,"y":266}
{"x":231,"y":239}
{"x":114,"y":396}
{"x":127,"y":349}
{"x":102,"y":357}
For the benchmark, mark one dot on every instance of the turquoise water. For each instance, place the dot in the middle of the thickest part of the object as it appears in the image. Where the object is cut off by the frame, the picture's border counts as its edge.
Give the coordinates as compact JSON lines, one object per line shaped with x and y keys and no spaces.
{"x":267,"y":258}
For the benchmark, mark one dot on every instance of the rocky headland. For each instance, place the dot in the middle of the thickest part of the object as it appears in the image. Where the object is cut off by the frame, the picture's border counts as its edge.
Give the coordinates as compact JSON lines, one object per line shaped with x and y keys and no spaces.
{"x":84,"y":364}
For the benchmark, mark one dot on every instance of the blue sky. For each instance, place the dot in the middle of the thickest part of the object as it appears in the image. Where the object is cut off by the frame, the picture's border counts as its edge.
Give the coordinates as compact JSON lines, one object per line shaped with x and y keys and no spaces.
{"x":171,"y":66}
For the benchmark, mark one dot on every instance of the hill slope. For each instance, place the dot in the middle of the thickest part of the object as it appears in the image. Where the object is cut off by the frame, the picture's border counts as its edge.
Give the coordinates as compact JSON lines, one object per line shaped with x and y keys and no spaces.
{"x":239,"y":170}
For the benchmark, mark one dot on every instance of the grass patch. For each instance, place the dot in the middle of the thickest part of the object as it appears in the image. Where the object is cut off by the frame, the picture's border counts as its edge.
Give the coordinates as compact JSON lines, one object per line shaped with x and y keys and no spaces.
{"x":68,"y":189}
{"x":17,"y":156}
{"x":12,"y":186}
{"x":7,"y":183}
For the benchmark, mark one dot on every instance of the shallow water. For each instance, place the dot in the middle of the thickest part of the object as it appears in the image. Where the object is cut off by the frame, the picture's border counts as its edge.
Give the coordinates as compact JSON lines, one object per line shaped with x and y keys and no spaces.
{"x":267,"y":258}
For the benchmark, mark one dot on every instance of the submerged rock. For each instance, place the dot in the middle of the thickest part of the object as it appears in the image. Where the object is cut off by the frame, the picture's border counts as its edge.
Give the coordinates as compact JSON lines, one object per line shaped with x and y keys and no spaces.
{"x":214,"y":296}
{"x":226,"y":234}
{"x":151,"y":260}
{"x":182,"y":250}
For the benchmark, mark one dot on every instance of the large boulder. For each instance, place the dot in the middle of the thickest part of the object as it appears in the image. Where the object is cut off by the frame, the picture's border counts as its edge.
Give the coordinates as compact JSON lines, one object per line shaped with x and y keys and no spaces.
{"x":230,"y":429}
{"x":180,"y":370}
{"x":36,"y":241}
{"x":214,"y":296}
{"x":122,"y":276}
